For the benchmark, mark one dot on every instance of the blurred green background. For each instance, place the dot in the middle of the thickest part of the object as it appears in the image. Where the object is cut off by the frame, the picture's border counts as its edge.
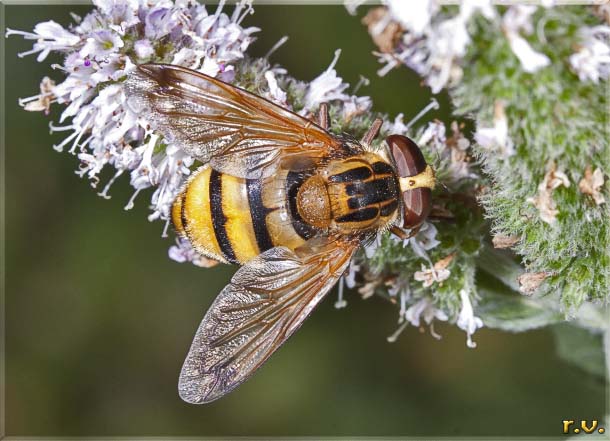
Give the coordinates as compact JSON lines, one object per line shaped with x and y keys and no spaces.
{"x":99,"y":319}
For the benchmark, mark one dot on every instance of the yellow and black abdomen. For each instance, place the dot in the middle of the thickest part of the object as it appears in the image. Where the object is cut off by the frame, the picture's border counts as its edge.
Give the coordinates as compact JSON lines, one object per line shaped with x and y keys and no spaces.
{"x":234,"y":219}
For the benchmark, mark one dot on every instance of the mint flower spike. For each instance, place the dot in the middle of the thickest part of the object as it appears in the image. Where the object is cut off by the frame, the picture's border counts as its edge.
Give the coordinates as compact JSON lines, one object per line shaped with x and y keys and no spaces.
{"x":533,"y":79}
{"x":100,"y":50}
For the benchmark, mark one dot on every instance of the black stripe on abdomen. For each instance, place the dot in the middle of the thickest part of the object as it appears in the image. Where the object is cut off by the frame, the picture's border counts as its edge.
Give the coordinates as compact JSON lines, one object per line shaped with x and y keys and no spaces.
{"x":294,"y":180}
{"x":259,"y":213}
{"x":219,"y":219}
{"x":183,"y":217}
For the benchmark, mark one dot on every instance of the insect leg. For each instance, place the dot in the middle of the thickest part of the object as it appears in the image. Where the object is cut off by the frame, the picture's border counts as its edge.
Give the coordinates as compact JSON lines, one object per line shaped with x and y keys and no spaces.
{"x":371,"y":133}
{"x":323,"y":119}
{"x":399,"y":232}
{"x":402,"y":234}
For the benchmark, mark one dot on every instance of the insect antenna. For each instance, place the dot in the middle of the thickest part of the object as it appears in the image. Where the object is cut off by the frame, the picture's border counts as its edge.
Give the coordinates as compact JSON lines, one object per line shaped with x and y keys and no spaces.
{"x":323,"y":118}
{"x":371,"y":133}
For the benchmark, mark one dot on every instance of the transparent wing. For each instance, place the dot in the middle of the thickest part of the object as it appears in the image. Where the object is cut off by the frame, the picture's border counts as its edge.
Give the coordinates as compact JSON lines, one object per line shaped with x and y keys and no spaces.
{"x":238,"y":132}
{"x":267,"y":300}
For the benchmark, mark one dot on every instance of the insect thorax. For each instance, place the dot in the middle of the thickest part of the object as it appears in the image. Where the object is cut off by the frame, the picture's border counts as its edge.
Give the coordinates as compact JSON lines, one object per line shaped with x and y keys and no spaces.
{"x":358,"y":193}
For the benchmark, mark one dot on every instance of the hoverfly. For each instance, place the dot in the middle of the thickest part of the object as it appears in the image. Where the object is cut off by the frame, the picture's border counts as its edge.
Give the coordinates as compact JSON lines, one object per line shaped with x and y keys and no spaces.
{"x":279,"y":195}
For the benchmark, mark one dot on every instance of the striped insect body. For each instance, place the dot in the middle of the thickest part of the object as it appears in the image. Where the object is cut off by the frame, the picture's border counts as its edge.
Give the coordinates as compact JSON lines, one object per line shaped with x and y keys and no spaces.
{"x":279,"y":195}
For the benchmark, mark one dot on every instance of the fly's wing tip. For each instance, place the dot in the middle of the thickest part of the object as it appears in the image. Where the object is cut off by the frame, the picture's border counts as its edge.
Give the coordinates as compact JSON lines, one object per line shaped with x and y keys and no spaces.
{"x":190,"y":390}
{"x":196,"y":387}
{"x":267,"y":300}
{"x":190,"y":394}
{"x":191,"y":383}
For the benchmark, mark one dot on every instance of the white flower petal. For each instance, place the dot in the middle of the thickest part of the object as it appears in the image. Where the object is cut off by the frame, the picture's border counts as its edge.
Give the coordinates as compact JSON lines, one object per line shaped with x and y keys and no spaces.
{"x":413,"y":15}
{"x":467,"y":321}
{"x":531,"y":61}
{"x":326,"y":87}
{"x":275,"y":92}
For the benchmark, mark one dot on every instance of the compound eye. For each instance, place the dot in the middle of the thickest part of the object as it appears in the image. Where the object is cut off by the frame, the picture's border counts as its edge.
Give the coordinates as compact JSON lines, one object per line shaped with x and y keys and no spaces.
{"x":407,"y":156}
{"x":410,"y":161}
{"x":416,"y":207}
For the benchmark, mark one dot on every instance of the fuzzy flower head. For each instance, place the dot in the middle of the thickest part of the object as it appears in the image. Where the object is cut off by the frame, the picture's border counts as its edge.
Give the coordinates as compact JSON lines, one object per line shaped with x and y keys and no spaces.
{"x":100,"y":50}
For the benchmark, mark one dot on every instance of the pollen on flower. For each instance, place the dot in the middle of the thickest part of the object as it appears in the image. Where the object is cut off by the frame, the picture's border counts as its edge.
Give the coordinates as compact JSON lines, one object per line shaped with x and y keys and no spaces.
{"x":368,"y":288}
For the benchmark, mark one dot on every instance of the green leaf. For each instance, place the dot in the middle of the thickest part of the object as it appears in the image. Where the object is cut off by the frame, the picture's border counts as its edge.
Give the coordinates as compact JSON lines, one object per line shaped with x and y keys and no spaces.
{"x":501,"y":265}
{"x":514,"y":312}
{"x":581,"y":347}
